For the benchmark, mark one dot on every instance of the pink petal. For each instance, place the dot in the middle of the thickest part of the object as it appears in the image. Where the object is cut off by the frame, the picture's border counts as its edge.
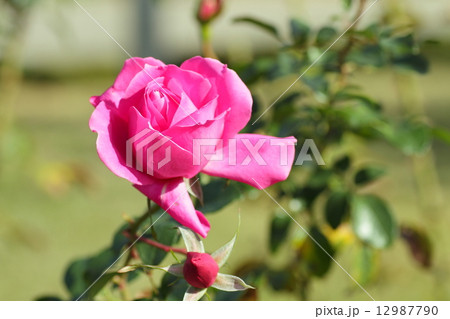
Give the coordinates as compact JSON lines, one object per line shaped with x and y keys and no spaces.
{"x":130,"y":69}
{"x":233,"y":93}
{"x":194,"y":85}
{"x":172,"y":196}
{"x":183,"y":110}
{"x":187,"y":137}
{"x":266,"y":162}
{"x":178,"y":164}
{"x":112,"y":135}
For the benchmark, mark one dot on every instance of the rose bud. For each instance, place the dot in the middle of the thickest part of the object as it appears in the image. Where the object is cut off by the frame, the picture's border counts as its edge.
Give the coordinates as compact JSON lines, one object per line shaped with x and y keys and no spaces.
{"x":200,"y":270}
{"x":208,"y":10}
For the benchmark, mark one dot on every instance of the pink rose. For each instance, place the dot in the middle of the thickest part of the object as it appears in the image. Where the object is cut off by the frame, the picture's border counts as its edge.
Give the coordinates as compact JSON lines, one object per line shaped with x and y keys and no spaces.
{"x":200,"y":270}
{"x":158,"y":125}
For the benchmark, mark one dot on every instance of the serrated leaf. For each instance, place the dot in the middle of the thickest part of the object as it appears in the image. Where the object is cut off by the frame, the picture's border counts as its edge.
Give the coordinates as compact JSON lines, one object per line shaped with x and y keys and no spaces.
{"x":221,"y":255}
{"x":261,"y":24}
{"x":191,"y":240}
{"x":194,"y":294}
{"x":230,"y":283}
{"x":372,"y":221}
{"x":367,"y":175}
{"x":337,"y":208}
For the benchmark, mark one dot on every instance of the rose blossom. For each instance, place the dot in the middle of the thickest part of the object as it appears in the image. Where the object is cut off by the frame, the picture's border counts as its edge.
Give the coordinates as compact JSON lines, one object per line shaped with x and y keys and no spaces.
{"x":160,"y":110}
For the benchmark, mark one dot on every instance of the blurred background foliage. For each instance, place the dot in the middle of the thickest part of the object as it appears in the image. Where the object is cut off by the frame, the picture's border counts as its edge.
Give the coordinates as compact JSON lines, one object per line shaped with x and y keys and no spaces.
{"x":375,"y":105}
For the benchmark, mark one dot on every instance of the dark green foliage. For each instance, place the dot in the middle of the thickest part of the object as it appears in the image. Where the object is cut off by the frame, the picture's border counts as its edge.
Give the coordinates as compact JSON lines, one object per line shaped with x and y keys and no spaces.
{"x":83,"y":273}
{"x":279,"y":230}
{"x":219,"y":193}
{"x":267,"y":27}
{"x":372,"y":221}
{"x":165,"y":232}
{"x":314,"y":254}
{"x":299,"y":32}
{"x":337,"y":208}
{"x":368,"y":174}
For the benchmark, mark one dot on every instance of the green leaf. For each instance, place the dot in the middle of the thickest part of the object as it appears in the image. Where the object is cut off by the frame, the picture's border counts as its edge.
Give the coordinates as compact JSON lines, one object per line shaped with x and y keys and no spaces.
{"x":313,"y":258}
{"x":82,"y":273}
{"x":21,"y":4}
{"x":368,"y":174}
{"x":48,"y":298}
{"x":326,"y":35}
{"x":400,"y":45}
{"x":337,"y":208}
{"x":175,"y":269}
{"x":366,"y":261}
{"x":299,"y":32}
{"x":411,"y":137}
{"x":418,"y":243}
{"x":279,"y":230}
{"x":317,"y":183}
{"x":172,"y":288}
{"x":218,"y":194}
{"x":281,"y":280}
{"x":347,"y":4}
{"x":414,"y":62}
{"x":372,"y":221}
{"x":342,"y":164}
{"x":286,"y":63}
{"x":359,"y":99}
{"x":317,"y":82}
{"x":165,"y":232}
{"x":260,"y":24}
{"x":368,"y":55}
{"x":442,"y":134}
{"x":285,"y":107}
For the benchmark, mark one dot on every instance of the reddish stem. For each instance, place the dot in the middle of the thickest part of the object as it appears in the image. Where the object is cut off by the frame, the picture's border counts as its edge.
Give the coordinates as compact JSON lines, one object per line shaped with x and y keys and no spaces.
{"x":158,"y":245}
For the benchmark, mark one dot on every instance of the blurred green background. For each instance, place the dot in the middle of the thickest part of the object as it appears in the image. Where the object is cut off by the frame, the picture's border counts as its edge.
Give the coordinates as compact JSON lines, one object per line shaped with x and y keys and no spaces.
{"x":59,"y":202}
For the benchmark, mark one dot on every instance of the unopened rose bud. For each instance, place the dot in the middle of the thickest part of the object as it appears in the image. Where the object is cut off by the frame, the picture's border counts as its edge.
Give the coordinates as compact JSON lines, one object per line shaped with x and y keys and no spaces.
{"x":208,"y":10}
{"x":200,"y":270}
